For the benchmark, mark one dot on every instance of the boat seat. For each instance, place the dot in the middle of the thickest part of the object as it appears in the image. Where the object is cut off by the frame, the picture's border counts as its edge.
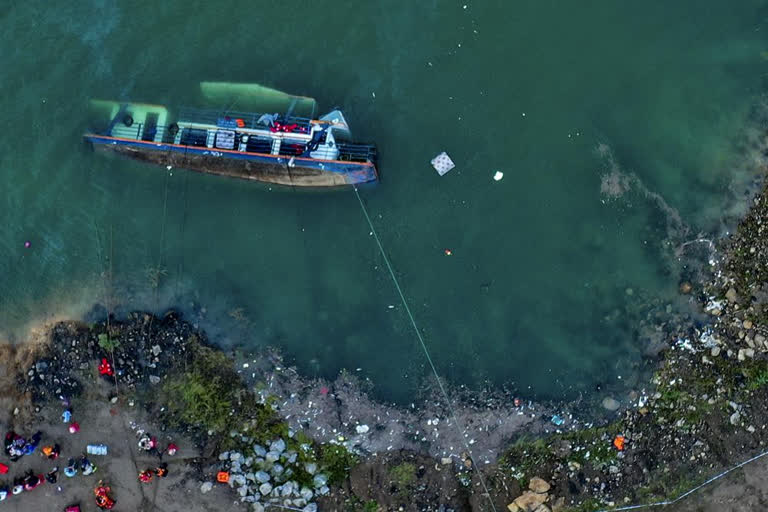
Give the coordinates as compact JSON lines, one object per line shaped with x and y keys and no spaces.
{"x":225,"y":139}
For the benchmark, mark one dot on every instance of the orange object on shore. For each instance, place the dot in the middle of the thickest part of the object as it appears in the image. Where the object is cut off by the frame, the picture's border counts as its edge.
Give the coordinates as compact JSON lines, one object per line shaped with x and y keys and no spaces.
{"x":222,"y":477}
{"x":618,"y":442}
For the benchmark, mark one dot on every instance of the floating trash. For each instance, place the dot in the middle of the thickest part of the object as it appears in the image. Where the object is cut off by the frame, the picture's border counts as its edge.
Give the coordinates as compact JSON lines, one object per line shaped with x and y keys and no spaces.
{"x":498,"y":176}
{"x":442,"y":163}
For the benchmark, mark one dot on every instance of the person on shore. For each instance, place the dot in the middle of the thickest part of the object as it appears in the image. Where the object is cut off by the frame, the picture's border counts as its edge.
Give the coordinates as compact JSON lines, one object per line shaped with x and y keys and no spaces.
{"x":145,"y":476}
{"x":172,"y":449}
{"x":148,"y":443}
{"x":3,"y":493}
{"x":162,"y":470}
{"x":103,"y":500}
{"x":87,"y":466}
{"x":53,"y":475}
{"x":31,"y":445}
{"x":71,"y":469}
{"x":51,"y":451}
{"x":14,"y":445}
{"x":105,"y":368}
{"x":32,"y":480}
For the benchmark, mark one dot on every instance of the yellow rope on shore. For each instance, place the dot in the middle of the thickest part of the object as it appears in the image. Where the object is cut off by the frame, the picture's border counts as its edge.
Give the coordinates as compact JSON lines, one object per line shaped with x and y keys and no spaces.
{"x":424,"y":347}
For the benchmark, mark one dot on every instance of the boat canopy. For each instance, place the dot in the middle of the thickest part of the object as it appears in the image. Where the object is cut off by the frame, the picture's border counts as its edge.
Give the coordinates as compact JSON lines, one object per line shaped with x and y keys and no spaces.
{"x":257,"y":98}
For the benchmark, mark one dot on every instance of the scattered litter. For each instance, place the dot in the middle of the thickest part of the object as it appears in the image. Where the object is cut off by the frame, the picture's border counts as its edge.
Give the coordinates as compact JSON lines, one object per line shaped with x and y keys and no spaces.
{"x":498,"y":176}
{"x":557,"y":420}
{"x":442,"y":163}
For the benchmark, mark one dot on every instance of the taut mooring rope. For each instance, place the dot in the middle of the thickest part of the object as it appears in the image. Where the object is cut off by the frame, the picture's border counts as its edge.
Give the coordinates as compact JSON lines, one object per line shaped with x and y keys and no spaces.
{"x":424,"y":347}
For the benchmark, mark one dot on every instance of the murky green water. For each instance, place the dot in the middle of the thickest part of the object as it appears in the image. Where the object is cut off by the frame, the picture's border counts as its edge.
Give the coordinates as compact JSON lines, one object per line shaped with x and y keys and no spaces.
{"x":536,"y":289}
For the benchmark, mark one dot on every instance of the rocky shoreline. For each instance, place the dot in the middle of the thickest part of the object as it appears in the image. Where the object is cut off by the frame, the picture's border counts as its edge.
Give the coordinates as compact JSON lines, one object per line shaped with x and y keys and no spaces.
{"x":311,"y":444}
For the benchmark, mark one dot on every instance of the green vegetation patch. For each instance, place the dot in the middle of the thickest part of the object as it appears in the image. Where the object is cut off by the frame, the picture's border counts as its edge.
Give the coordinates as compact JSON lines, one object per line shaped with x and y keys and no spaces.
{"x":403,"y":475}
{"x":336,"y":461}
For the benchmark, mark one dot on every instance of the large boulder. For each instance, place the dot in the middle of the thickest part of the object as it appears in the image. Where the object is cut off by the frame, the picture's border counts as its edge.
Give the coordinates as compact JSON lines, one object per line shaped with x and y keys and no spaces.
{"x":530,"y":501}
{"x":277,"y":446}
{"x":538,"y":485}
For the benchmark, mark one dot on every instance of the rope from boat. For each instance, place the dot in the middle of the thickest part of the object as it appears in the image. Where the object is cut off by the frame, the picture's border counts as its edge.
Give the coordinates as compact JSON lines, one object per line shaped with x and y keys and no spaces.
{"x":180,"y":270}
{"x":462,"y":431}
{"x":160,"y":250}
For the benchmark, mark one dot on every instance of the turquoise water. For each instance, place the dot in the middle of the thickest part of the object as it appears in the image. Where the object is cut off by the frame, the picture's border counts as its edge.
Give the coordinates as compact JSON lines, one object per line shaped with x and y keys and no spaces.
{"x":548,"y":275}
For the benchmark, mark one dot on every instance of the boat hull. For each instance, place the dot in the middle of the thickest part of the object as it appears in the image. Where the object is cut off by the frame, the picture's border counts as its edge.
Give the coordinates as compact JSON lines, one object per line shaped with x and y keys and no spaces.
{"x":278,"y":170}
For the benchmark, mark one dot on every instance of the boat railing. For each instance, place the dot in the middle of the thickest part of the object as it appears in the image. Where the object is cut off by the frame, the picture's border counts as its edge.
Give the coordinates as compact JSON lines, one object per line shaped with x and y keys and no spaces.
{"x":234,"y":120}
{"x":357,"y":152}
{"x":145,"y":132}
{"x":175,"y":134}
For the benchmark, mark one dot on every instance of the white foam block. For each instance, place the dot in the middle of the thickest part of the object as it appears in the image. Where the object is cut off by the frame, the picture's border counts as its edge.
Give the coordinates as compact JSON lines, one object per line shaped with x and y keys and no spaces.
{"x":442,"y":163}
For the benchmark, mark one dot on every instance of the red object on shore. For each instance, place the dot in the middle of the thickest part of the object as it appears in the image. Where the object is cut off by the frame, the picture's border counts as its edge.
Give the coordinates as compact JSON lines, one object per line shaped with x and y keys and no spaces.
{"x":172,"y":448}
{"x":3,"y":469}
{"x":103,"y":500}
{"x":105,"y":368}
{"x":74,"y":427}
{"x":618,"y":442}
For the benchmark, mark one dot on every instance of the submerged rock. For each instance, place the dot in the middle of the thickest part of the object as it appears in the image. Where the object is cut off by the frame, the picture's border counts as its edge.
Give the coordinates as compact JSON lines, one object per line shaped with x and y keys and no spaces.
{"x":610,"y":403}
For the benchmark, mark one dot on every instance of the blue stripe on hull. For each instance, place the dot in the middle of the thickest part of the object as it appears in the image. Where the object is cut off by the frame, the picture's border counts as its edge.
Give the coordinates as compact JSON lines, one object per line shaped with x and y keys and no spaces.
{"x":354,"y":172}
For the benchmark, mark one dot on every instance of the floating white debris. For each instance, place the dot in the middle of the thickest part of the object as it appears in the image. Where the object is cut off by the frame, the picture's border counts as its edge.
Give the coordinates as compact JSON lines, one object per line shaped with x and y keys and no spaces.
{"x":442,"y":163}
{"x":498,"y":176}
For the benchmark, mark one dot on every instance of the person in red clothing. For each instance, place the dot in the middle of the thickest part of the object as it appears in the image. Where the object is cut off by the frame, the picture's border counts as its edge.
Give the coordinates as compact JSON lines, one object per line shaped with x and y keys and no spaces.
{"x":103,"y":500}
{"x":105,"y":368}
{"x":145,"y":476}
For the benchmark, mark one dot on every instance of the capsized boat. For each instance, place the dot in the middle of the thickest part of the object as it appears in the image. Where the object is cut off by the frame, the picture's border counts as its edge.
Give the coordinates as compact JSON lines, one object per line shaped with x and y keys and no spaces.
{"x":278,"y":148}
